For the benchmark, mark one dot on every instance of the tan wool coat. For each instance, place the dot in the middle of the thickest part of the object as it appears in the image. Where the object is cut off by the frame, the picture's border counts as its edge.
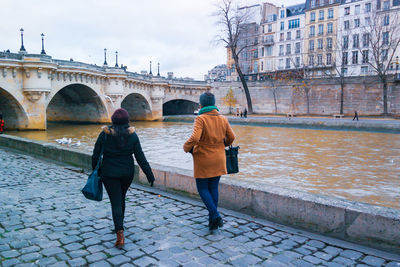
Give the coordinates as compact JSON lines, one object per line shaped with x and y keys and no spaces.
{"x":207,"y":140}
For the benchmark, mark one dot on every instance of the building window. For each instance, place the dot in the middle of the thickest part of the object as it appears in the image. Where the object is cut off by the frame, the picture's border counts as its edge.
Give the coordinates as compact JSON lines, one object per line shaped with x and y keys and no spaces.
{"x":384,"y":54}
{"x":319,"y":59}
{"x":282,"y":13}
{"x":297,"y":51}
{"x":255,"y":53}
{"x":311,"y":45}
{"x":312,"y":30}
{"x":320,"y":29}
{"x":365,"y":57}
{"x":386,"y":20}
{"x":330,"y":27}
{"x":298,"y":34}
{"x":269,"y":27}
{"x":312,"y":17}
{"x":288,"y":63}
{"x":386,"y":5}
{"x":347,"y":10}
{"x":281,"y":47}
{"x":280,"y":64}
{"x":312,"y":3}
{"x":262,"y":51}
{"x":357,"y":9}
{"x":345,"y":58}
{"x":365,"y":39}
{"x":355,"y":41}
{"x":330,"y":13}
{"x":345,"y":42}
{"x":281,"y":36}
{"x":311,"y":60}
{"x":294,"y":23}
{"x":356,"y":23}
{"x":269,"y":50}
{"x":329,"y":43}
{"x":385,"y":39}
{"x":378,"y":4}
{"x":321,"y":15}
{"x":346,"y":24}
{"x":367,"y":7}
{"x":297,"y":62}
{"x":262,"y":65}
{"x":328,"y":59}
{"x":282,"y":25}
{"x":289,"y":36}
{"x":355,"y":57}
{"x":288,"y":49}
{"x":364,"y":70}
{"x":320,"y":43}
{"x":367,"y":21}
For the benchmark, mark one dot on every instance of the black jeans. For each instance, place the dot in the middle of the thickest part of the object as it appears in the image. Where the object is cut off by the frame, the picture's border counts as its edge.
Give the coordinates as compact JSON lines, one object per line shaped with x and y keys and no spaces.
{"x":116,"y":189}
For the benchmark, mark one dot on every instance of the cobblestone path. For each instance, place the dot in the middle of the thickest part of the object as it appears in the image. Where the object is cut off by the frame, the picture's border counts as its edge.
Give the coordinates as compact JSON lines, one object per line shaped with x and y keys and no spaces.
{"x":45,"y":220}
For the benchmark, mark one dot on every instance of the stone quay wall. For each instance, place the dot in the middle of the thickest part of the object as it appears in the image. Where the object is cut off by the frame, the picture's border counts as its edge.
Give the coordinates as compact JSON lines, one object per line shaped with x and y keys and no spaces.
{"x":370,"y":225}
{"x":363,"y":94}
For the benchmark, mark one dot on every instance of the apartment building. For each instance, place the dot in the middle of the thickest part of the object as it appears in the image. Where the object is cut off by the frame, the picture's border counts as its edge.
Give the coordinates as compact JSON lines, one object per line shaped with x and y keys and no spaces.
{"x":267,"y":41}
{"x":290,"y":36}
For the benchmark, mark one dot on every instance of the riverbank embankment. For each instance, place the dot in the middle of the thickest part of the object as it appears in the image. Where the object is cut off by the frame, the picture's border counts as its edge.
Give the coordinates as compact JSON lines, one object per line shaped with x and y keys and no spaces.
{"x":370,"y":225}
{"x":326,"y":123}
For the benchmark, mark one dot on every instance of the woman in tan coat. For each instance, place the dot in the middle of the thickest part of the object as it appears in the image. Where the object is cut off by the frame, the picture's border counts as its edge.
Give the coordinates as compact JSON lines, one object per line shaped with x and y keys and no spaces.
{"x":211,"y":133}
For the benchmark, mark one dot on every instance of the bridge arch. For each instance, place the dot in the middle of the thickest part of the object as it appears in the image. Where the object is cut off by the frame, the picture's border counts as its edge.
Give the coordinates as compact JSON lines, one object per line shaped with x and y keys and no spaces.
{"x":138,"y":106}
{"x":76,"y":103}
{"x":179,"y":107}
{"x":13,"y":113}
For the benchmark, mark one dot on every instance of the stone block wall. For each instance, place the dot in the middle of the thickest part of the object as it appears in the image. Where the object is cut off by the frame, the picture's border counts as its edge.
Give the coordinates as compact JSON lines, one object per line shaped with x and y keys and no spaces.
{"x":363,"y":94}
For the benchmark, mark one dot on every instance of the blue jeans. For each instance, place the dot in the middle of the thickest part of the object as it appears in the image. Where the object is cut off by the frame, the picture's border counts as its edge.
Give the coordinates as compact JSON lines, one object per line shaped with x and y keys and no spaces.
{"x":208,"y":191}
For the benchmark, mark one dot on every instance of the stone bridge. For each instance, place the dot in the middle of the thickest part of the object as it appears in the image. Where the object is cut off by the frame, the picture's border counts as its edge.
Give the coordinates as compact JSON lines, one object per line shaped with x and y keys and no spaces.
{"x":36,"y":88}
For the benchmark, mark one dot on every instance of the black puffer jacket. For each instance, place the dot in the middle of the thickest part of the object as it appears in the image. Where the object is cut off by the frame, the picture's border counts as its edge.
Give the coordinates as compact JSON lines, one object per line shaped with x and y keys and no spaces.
{"x":118,"y":162}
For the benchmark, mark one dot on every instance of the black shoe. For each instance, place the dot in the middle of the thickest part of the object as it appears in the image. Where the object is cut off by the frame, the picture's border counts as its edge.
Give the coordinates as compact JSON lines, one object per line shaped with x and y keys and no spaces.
{"x":220,"y":222}
{"x":213,"y":225}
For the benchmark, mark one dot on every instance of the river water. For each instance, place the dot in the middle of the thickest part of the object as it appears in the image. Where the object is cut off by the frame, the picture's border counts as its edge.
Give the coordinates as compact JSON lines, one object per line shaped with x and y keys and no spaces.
{"x":359,"y":166}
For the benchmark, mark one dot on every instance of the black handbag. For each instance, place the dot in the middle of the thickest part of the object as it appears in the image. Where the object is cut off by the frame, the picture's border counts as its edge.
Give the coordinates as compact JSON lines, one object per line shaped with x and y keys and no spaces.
{"x":93,"y":189}
{"x":232,"y":162}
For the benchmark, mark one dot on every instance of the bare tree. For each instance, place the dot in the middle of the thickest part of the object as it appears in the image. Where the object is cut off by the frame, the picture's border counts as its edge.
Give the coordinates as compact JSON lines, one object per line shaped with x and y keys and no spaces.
{"x":382,"y":33}
{"x":233,"y":21}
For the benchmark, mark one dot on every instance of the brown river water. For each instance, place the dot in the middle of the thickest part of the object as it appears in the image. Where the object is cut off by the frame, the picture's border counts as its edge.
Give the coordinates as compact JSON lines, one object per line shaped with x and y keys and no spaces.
{"x":355,"y":165}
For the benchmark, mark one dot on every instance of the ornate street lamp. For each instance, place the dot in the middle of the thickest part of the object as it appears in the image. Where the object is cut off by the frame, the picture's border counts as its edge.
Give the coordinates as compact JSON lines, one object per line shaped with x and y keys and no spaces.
{"x":43,"y":52}
{"x":116,"y":59}
{"x":158,"y":72}
{"x":150,"y":69}
{"x":105,"y":57}
{"x":22,"y":49}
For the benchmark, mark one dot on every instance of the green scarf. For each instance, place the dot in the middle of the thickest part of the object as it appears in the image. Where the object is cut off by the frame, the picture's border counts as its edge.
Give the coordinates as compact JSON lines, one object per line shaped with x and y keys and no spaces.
{"x":207,"y":109}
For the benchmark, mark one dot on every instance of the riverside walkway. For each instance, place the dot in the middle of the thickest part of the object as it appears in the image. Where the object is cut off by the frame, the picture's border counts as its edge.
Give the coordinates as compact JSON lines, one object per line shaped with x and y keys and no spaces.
{"x":46,"y":221}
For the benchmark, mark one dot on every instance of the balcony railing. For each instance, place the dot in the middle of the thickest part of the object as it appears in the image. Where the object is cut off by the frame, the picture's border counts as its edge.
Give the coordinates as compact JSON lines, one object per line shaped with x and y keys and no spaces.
{"x":268,"y":42}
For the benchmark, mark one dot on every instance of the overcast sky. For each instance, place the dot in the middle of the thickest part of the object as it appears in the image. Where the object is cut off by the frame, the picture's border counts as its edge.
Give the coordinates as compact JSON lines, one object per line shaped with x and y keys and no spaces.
{"x":177,"y":33}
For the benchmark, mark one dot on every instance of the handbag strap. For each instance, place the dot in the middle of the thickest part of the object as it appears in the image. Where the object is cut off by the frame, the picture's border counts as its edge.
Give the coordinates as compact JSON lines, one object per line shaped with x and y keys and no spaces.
{"x":101,"y":151}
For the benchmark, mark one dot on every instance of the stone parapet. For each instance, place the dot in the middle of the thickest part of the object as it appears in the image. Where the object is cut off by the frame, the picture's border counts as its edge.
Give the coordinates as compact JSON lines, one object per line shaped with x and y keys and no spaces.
{"x":370,"y":225}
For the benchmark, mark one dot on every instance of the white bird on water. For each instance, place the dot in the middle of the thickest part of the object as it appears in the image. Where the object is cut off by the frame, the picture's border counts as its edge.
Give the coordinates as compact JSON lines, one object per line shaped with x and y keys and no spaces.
{"x":64,"y":141}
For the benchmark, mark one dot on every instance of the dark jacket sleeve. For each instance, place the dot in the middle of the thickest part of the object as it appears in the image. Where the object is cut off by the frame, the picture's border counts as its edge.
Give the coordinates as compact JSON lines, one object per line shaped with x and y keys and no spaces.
{"x":97,"y":149}
{"x":142,"y":161}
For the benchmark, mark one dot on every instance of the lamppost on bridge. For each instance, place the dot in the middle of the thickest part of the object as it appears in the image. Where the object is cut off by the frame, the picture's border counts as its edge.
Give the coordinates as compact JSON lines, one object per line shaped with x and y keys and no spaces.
{"x":116,"y":59}
{"x":43,"y":52}
{"x":397,"y":68}
{"x":158,"y":69}
{"x":22,"y":49}
{"x":150,"y":69}
{"x":105,"y":57}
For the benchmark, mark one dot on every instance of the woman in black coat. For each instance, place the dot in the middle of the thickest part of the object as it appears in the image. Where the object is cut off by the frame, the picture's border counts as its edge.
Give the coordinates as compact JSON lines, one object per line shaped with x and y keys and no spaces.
{"x":117,"y":168}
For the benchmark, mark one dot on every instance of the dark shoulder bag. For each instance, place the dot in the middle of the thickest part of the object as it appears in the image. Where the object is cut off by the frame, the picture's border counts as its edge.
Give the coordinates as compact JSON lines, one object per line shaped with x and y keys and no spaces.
{"x":232,"y":162}
{"x":93,"y":189}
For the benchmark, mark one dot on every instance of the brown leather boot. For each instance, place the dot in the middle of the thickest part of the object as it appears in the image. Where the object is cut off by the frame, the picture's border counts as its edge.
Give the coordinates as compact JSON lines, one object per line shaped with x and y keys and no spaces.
{"x":120,"y":239}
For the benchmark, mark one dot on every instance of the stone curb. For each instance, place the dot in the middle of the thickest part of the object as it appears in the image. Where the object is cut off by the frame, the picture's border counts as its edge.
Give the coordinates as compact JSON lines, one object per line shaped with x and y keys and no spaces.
{"x":374,"y":226}
{"x":313,"y":123}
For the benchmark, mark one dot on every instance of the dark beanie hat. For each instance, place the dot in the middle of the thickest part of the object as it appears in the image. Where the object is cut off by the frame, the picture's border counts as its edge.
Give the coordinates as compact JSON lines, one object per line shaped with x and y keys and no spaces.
{"x":207,"y":99}
{"x":120,"y":116}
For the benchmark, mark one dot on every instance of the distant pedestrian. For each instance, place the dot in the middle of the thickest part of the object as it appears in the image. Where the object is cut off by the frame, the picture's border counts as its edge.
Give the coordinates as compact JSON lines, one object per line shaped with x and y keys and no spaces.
{"x":241,"y":114}
{"x":1,"y":123}
{"x":211,"y":133}
{"x":117,"y":168}
{"x":245,"y":113}
{"x":237,"y":112}
{"x":355,"y":115}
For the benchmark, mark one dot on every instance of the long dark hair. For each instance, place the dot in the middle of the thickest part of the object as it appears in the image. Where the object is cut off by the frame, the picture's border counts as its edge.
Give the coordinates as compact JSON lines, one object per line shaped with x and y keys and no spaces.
{"x":120,"y":134}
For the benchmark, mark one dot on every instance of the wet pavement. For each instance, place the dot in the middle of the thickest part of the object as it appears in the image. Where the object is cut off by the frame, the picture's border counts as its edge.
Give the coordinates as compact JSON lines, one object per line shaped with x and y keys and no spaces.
{"x":46,"y":221}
